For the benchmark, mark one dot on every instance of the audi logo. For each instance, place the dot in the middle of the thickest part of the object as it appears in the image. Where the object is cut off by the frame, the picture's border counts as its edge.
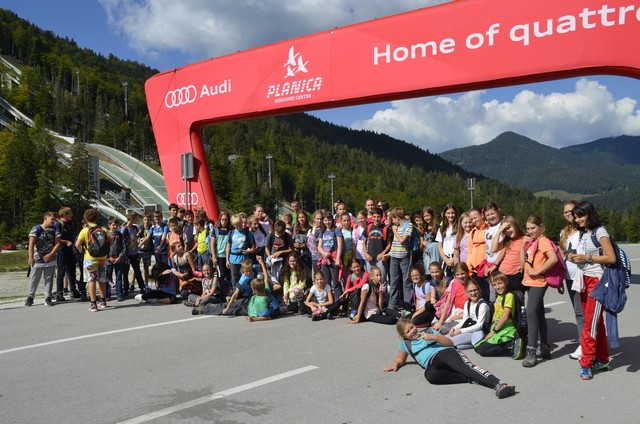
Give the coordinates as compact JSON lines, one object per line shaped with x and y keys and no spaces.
{"x":181,"y":199}
{"x":181,"y":96}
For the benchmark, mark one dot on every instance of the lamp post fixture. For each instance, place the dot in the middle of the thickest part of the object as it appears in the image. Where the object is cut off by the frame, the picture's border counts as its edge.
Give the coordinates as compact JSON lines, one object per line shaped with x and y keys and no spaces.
{"x":471,"y":187}
{"x":332,"y":177}
{"x":126,"y":101}
{"x":269,"y":158}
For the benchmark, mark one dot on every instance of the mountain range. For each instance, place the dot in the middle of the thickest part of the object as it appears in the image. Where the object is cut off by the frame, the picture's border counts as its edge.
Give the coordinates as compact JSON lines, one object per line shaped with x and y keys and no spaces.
{"x":605,"y":171}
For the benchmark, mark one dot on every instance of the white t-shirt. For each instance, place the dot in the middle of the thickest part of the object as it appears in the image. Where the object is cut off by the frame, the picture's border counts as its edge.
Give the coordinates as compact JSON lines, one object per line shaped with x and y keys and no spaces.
{"x":586,"y":247}
{"x":489,"y":234}
{"x":570,"y":247}
{"x":321,"y":296}
{"x":448,"y":241}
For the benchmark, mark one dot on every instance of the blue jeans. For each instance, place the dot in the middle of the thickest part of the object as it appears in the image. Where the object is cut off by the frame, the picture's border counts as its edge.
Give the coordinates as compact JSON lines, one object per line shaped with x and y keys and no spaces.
{"x":118,"y":268}
{"x":400,"y":283}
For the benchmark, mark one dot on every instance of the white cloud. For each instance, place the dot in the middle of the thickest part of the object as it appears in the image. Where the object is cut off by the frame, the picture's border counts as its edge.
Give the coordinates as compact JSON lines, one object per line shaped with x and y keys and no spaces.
{"x":205,"y":28}
{"x":557,"y":119}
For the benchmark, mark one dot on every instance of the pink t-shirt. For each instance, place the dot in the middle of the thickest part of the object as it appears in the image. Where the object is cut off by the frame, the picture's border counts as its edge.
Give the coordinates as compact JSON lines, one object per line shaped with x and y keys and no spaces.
{"x":371,"y":306}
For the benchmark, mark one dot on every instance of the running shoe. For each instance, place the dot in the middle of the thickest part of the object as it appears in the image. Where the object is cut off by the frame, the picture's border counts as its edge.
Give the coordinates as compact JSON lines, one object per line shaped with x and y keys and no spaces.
{"x":102,"y":305}
{"x":504,"y":390}
{"x":597,"y":365}
{"x":585,"y":373}
{"x":93,"y":308}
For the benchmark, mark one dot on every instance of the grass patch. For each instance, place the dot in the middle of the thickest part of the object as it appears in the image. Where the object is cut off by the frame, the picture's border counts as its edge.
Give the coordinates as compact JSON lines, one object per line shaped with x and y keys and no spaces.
{"x":14,"y":260}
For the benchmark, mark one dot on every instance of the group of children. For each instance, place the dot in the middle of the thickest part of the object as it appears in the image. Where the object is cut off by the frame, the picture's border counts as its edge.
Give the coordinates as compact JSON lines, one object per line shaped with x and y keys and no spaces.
{"x":368,"y":267}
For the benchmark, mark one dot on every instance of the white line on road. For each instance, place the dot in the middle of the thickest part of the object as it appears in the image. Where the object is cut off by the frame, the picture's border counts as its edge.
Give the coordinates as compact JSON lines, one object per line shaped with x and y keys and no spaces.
{"x":549,"y":305}
{"x":195,"y":402}
{"x":88,"y":336}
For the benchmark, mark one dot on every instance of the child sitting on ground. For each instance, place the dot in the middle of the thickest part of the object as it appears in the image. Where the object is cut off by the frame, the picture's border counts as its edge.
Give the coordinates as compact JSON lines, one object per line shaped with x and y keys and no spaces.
{"x":371,"y":307}
{"x":423,"y":291}
{"x":470,"y":330}
{"x":258,"y":308}
{"x":294,"y":282}
{"x":211,"y":290}
{"x":166,"y":285}
{"x":503,"y":338}
{"x":319,"y":299}
{"x":449,"y":307}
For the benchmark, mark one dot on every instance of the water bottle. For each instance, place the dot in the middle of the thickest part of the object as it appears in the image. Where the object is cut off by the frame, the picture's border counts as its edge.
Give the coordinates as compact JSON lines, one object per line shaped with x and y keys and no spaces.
{"x":523,"y":317}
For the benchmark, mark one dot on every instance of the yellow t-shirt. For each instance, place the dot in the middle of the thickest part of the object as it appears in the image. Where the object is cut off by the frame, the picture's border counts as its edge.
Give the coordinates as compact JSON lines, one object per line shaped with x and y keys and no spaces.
{"x":84,"y":238}
{"x":201,"y":238}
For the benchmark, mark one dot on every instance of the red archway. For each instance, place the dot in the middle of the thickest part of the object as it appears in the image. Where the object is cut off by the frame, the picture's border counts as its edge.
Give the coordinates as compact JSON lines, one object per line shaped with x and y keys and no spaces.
{"x":458,"y":46}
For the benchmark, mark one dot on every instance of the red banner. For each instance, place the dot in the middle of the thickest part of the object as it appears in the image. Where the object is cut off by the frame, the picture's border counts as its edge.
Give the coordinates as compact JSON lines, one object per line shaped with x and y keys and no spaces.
{"x":453,"y":47}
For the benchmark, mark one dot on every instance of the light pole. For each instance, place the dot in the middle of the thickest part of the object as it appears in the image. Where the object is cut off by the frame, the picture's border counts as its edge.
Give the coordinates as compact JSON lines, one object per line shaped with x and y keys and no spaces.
{"x":269,"y":158}
{"x":471,"y":186}
{"x":332,"y":177}
{"x":126,"y":106}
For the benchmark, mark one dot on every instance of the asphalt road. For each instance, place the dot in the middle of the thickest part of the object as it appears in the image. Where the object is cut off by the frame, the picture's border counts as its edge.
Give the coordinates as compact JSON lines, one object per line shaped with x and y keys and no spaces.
{"x":157,"y":363}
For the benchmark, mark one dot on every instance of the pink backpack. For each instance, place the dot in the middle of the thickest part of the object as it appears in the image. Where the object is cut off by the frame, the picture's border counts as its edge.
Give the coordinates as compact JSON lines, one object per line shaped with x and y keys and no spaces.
{"x":555,"y":275}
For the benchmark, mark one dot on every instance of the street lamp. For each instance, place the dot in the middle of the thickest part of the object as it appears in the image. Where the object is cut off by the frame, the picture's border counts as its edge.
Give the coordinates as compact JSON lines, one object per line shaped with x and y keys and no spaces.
{"x":471,"y":186}
{"x":269,"y":158}
{"x":332,"y":177}
{"x":126,"y":106}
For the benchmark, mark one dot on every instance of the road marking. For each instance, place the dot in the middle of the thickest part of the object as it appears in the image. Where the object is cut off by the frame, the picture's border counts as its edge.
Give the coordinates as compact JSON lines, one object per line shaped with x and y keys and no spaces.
{"x":88,"y":336}
{"x":549,"y":305}
{"x":234,"y":390}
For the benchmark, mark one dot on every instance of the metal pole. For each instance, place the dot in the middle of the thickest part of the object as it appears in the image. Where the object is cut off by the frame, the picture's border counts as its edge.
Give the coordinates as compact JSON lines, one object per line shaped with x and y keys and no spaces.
{"x":269,"y":157}
{"x":126,"y":106}
{"x":471,"y":187}
{"x":332,"y":177}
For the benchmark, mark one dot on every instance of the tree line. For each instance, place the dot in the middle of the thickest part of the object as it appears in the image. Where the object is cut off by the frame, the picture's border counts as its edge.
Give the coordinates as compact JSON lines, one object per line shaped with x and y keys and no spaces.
{"x":37,"y":173}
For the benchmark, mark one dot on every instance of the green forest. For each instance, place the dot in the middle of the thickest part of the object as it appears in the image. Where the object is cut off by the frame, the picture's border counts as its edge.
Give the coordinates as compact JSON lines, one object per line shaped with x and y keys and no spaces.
{"x":76,"y":92}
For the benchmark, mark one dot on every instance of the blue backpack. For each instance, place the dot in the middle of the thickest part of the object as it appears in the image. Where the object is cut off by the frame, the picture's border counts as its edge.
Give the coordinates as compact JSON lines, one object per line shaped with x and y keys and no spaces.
{"x":623,"y":263}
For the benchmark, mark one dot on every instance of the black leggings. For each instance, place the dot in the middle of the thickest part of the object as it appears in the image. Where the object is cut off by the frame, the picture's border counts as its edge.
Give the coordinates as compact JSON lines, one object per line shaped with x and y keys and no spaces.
{"x":426,"y":316}
{"x":450,"y":366}
{"x":387,"y":316}
{"x":500,"y":349}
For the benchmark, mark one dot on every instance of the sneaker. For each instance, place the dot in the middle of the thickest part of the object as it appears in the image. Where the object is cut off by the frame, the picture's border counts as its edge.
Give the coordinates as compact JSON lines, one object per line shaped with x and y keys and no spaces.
{"x":577,"y":354}
{"x":48,"y":302}
{"x":188,"y":304}
{"x":83,"y":297}
{"x":121,"y":298}
{"x":504,"y":390}
{"x":597,"y":365}
{"x":315,"y":318}
{"x":102,"y":305}
{"x":517,"y":350}
{"x":196,"y":311}
{"x":329,"y":316}
{"x":60,"y":297}
{"x":93,"y":308}
{"x":65,"y":291}
{"x":585,"y":373}
{"x":138,"y":297}
{"x":29,"y":301}
{"x":75,"y":294}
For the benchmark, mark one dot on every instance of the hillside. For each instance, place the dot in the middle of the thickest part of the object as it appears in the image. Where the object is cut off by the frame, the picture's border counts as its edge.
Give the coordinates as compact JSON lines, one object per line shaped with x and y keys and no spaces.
{"x":584,"y":170}
{"x":624,"y":148}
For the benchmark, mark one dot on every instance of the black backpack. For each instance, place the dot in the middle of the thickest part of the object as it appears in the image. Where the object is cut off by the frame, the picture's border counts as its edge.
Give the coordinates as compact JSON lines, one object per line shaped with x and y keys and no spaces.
{"x":486,"y":325}
{"x":519,"y":314}
{"x":97,"y":242}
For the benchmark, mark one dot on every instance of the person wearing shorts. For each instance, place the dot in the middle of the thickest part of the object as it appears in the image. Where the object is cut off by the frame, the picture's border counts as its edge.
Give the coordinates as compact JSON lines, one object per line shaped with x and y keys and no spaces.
{"x":95,"y":270}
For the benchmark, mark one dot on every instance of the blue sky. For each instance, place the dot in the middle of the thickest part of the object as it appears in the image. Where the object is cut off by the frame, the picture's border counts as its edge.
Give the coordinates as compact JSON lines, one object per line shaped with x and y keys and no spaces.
{"x":164,"y":34}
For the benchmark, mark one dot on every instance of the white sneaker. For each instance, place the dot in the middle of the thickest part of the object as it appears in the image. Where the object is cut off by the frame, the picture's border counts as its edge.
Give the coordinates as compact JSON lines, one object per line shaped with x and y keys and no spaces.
{"x":577,"y":354}
{"x":138,"y":297}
